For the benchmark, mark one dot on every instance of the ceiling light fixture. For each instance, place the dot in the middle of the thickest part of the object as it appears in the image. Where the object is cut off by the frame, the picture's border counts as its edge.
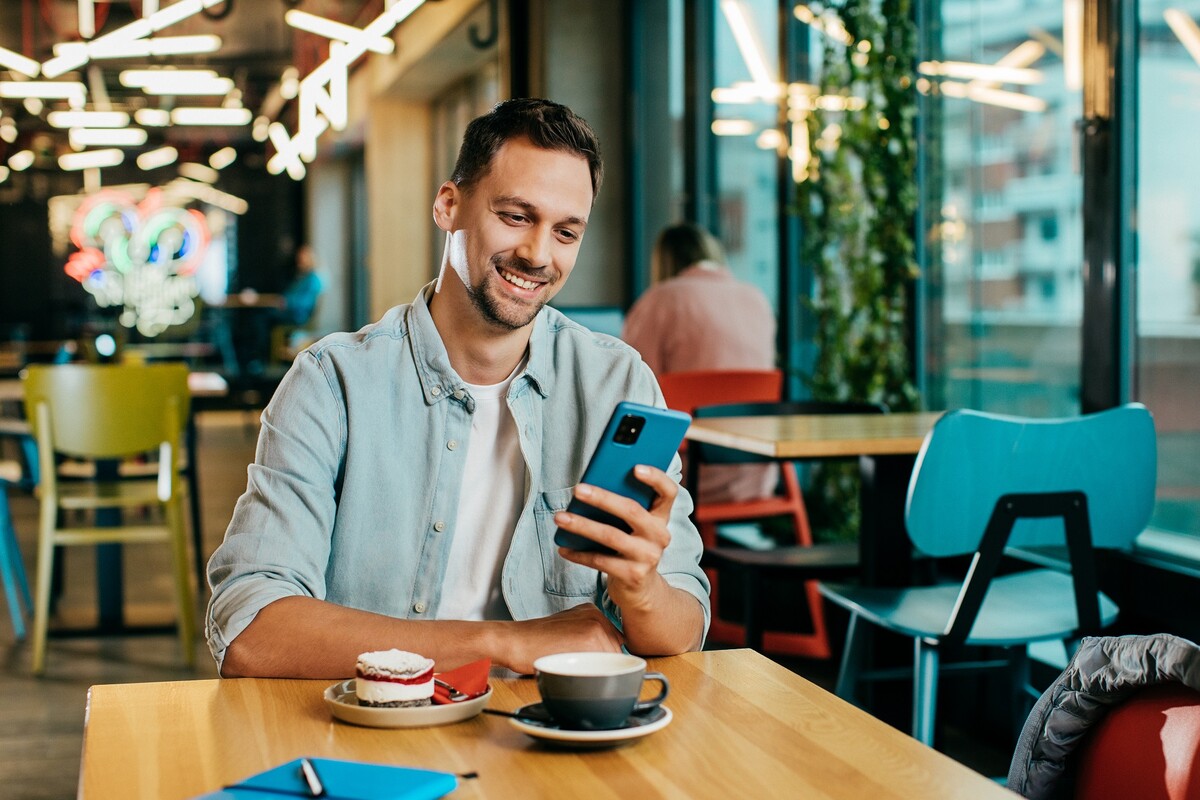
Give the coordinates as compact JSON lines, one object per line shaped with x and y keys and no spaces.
{"x":211,"y":116}
{"x":152,"y":117}
{"x":106,"y":137}
{"x":21,"y":160}
{"x":8,"y":130}
{"x":140,"y":29}
{"x":19,"y":63}
{"x":748,"y":42}
{"x":199,"y":172}
{"x":159,"y":157}
{"x":91,"y":159}
{"x":222,"y":158}
{"x":88,"y":119}
{"x":732,"y":127}
{"x":338,"y":31}
{"x":992,"y":73}
{"x":994,"y":97}
{"x":72,"y":91}
{"x":3,"y":174}
{"x":1072,"y":44}
{"x":1186,"y":30}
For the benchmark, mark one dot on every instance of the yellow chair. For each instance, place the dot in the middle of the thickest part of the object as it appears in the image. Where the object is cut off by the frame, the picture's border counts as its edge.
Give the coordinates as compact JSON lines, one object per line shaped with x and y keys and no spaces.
{"x":108,"y":412}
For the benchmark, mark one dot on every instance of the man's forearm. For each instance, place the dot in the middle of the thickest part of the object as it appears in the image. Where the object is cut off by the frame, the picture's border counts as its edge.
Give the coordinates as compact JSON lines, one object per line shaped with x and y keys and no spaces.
{"x":673,"y":623}
{"x":301,"y":637}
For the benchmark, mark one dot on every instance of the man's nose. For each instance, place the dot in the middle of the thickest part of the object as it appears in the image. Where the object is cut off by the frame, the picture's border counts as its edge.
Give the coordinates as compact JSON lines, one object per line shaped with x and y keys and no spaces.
{"x":535,"y":246}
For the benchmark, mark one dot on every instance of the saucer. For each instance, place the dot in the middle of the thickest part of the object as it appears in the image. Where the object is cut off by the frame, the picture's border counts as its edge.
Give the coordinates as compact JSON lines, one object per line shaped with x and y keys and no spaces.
{"x":343,"y":703}
{"x":544,"y":728}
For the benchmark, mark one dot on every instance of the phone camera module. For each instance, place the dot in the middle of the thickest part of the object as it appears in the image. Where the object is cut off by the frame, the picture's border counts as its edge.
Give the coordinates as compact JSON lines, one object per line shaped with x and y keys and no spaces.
{"x":629,"y":428}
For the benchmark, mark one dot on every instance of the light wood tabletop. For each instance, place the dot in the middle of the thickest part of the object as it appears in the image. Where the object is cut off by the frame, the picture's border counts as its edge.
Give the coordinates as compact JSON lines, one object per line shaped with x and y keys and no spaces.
{"x":818,"y":435}
{"x":743,"y":726}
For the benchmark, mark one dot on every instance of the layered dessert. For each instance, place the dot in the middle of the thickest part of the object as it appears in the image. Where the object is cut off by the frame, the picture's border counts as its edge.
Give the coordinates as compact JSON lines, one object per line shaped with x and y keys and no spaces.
{"x":393,"y":679}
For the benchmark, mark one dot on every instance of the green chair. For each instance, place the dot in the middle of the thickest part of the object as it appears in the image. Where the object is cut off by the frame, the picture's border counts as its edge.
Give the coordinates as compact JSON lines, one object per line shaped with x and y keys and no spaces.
{"x":984,"y":482}
{"x":107,"y":413}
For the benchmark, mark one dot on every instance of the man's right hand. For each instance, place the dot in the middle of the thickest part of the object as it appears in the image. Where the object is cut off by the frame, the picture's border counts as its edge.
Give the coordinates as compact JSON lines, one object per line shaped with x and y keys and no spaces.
{"x":583,"y":628}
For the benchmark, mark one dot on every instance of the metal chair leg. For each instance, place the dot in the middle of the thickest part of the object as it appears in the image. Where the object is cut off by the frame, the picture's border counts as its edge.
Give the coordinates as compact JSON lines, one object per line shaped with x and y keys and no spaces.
{"x":847,"y":680}
{"x":925,"y":683}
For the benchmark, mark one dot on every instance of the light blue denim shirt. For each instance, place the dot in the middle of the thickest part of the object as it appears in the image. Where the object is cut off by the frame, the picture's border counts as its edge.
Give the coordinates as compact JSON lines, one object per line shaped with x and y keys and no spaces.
{"x":354,"y":490}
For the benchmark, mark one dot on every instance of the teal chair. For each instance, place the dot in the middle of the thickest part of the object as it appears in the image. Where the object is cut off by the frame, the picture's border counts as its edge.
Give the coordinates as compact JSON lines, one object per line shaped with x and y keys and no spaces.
{"x":22,"y":475}
{"x":983,"y":483}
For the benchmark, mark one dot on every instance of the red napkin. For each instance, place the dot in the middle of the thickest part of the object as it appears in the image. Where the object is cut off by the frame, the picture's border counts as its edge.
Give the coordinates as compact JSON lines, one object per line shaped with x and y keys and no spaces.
{"x":469,"y":678}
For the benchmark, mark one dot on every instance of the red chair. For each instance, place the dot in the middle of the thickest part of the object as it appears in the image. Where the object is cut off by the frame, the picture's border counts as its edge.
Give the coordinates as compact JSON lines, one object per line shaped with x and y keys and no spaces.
{"x":687,"y":391}
{"x":1146,"y":747}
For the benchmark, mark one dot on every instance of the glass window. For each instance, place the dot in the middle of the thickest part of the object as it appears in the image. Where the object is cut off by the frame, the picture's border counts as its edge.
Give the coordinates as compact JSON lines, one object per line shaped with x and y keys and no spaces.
{"x":1168,"y":252}
{"x":1001,"y":194}
{"x":746,"y":96}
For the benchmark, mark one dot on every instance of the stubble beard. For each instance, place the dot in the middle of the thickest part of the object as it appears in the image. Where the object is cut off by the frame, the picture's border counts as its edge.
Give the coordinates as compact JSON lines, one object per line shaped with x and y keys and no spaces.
{"x":509,"y":316}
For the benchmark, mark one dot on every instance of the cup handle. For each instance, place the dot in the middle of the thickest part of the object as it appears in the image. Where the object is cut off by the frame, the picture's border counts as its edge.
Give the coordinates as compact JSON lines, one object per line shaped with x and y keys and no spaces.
{"x":646,"y":705}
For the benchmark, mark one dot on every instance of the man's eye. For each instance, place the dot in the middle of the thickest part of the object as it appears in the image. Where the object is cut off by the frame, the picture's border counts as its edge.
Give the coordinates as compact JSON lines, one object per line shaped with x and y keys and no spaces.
{"x":514,"y":218}
{"x":568,"y":235}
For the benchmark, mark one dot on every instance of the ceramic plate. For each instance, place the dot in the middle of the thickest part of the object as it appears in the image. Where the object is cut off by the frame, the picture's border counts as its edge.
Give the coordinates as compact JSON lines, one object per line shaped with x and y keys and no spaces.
{"x":637,"y":726}
{"x":343,"y":702}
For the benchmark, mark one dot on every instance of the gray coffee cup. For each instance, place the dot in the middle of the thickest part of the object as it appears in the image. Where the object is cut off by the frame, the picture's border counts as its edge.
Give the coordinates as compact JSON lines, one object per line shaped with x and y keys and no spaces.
{"x":595,"y":691}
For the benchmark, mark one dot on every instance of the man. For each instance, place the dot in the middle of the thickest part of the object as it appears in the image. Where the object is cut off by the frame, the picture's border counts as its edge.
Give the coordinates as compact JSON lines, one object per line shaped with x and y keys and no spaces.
{"x":410,"y":477}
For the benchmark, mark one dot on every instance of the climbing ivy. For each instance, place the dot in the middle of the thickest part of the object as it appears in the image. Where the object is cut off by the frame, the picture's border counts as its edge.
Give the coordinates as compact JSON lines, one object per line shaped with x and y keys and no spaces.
{"x":858,"y":207}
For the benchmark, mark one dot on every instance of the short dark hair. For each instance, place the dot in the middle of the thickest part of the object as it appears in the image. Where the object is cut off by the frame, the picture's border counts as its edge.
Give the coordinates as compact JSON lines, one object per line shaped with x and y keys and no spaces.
{"x":545,"y":124}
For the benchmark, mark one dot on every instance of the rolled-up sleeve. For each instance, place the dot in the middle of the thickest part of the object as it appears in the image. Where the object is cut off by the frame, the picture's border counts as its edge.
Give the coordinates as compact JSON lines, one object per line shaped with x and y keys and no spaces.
{"x":278,"y":541}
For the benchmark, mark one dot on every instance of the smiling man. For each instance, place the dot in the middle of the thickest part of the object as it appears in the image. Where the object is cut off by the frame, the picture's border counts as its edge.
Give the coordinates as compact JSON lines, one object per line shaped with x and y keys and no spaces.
{"x":410,"y":476}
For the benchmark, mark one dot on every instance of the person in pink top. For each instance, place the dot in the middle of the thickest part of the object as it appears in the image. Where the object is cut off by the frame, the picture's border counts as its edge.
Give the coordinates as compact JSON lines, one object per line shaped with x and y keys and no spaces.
{"x":698,"y":316}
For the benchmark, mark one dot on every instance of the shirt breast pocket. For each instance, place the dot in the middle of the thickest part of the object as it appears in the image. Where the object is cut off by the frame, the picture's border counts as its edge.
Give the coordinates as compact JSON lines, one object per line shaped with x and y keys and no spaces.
{"x":562,"y":578}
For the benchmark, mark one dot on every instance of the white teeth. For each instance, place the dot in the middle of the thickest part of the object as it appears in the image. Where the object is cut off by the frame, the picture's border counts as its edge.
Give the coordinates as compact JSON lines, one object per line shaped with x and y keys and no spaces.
{"x":517,"y":280}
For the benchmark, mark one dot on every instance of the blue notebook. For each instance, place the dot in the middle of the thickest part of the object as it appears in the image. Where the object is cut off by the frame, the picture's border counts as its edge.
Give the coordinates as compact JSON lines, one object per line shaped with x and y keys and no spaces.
{"x":343,"y":780}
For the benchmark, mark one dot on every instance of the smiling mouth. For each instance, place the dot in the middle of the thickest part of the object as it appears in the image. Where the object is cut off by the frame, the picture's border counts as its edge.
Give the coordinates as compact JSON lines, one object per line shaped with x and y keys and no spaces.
{"x":517,"y":280}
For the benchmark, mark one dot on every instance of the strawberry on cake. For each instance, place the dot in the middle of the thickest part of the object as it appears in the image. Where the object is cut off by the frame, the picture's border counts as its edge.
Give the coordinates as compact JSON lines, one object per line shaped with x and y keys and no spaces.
{"x":393,"y":679}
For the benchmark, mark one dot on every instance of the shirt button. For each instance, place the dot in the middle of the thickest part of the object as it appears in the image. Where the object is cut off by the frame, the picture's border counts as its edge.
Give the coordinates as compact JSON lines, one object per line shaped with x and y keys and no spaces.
{"x":459,"y":394}
{"x":419,"y":608}
{"x":435,"y":391}
{"x":451,"y":445}
{"x":439,"y":526}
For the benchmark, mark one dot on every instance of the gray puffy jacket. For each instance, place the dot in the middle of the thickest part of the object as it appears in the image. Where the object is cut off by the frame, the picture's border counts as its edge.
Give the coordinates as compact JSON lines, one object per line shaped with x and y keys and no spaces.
{"x":1104,"y":671}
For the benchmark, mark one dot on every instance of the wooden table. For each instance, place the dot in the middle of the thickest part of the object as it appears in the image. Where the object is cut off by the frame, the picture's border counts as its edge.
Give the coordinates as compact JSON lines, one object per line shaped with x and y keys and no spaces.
{"x":886,"y":445}
{"x":743,"y":727}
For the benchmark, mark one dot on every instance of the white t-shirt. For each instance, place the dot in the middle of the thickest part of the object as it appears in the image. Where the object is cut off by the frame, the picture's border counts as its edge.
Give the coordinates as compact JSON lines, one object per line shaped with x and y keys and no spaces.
{"x":491,"y":498}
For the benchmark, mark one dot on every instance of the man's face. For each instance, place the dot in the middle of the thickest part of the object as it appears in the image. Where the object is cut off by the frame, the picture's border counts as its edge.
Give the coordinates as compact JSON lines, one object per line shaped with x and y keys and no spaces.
{"x":515,"y":234}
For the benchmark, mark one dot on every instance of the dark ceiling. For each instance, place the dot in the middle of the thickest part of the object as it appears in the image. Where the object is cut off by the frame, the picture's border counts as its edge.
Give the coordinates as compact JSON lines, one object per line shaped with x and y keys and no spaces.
{"x":257,"y":45}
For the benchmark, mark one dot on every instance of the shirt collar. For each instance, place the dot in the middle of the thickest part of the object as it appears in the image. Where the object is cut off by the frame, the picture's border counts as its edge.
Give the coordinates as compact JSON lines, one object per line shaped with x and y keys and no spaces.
{"x":438,"y":378}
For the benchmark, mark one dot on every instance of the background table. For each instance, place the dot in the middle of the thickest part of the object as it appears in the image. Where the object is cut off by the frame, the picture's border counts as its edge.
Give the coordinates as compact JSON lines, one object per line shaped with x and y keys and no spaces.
{"x":743,"y":727}
{"x":886,"y":445}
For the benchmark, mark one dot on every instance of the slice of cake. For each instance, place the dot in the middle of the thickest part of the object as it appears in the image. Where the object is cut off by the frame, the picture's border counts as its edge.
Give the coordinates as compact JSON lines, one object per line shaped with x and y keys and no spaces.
{"x":393,"y":679}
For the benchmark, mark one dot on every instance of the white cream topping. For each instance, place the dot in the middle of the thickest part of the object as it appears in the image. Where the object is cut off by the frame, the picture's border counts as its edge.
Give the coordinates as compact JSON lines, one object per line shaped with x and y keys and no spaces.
{"x":398,"y":663}
{"x":386,"y":692}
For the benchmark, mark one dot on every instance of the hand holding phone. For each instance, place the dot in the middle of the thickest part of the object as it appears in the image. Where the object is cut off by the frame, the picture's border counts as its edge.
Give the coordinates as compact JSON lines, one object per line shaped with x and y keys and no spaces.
{"x":635,"y":434}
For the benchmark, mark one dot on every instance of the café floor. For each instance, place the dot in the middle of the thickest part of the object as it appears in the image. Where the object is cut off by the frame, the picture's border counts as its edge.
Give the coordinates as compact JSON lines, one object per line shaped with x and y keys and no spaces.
{"x":41,"y":719}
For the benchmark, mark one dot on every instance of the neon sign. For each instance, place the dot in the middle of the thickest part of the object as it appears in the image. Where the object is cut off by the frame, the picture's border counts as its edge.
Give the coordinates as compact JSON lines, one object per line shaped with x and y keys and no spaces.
{"x":142,"y":256}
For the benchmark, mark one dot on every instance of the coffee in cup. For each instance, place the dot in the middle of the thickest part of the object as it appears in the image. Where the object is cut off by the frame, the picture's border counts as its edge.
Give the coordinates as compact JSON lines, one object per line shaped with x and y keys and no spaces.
{"x":595,"y":691}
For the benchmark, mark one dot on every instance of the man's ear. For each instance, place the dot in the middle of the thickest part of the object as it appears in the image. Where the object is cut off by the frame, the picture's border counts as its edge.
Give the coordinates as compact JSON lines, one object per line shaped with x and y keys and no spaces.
{"x":445,"y":205}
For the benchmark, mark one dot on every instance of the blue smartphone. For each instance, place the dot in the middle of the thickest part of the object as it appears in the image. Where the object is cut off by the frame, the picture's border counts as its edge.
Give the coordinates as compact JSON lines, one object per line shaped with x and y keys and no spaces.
{"x":636,"y":434}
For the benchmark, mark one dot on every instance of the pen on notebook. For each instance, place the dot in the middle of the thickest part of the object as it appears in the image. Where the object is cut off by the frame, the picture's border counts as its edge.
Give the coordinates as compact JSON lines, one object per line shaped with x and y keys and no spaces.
{"x":309,"y":771}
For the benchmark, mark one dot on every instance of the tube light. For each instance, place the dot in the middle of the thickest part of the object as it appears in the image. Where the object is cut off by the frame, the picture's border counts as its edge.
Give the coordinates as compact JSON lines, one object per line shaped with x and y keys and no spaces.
{"x":88,"y":119}
{"x":211,"y":116}
{"x":321,"y":26}
{"x":8,"y":130}
{"x":158,"y":46}
{"x":19,"y":63}
{"x":992,"y":73}
{"x":222,"y":158}
{"x":159,"y":157}
{"x":215,"y":87}
{"x":994,"y":97}
{"x":732,"y":127}
{"x":747,"y":41}
{"x":105,"y":137}
{"x":21,"y":160}
{"x":289,"y":84}
{"x":3,"y":173}
{"x":153,"y":117}
{"x":199,"y":172}
{"x":91,"y":159}
{"x":1185,"y":28}
{"x":44,"y":90}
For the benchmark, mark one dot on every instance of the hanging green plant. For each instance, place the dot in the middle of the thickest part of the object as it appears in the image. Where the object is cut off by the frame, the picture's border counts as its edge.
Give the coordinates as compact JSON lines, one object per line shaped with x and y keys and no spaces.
{"x":858,"y":206}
